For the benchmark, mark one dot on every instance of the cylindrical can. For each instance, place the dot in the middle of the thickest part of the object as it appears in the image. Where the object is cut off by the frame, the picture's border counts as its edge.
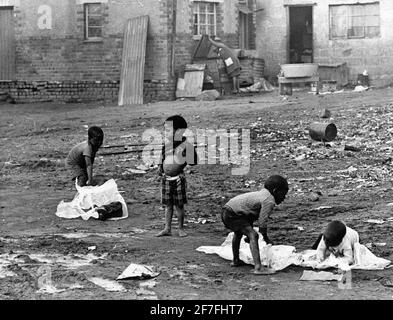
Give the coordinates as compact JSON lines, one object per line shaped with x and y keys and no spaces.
{"x":325,"y":132}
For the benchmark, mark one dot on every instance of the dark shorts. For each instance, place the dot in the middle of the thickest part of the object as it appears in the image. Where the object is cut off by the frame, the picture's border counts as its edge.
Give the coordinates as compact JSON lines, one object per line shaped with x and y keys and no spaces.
{"x":234,"y":221}
{"x":235,"y":73}
{"x":79,"y":173}
{"x":174,"y":192}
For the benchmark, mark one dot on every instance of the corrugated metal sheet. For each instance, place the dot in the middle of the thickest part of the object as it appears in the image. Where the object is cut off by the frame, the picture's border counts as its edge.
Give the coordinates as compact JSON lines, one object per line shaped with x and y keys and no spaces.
{"x":7,"y":45}
{"x":133,"y":64}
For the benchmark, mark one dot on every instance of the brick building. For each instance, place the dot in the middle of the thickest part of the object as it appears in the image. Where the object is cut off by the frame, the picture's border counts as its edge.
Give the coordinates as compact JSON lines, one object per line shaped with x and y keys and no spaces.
{"x":71,"y":50}
{"x":357,"y":32}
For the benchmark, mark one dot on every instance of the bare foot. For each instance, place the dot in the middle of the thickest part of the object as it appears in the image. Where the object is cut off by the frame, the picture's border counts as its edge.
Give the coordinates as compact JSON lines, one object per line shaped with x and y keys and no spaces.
{"x":239,"y":263}
{"x":182,"y":234}
{"x":263,"y":271}
{"x":164,"y":233}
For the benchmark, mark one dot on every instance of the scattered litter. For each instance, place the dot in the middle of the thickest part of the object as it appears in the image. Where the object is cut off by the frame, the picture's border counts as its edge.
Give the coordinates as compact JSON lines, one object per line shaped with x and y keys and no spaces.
{"x":81,"y":235}
{"x":75,"y":286}
{"x":201,"y":220}
{"x":136,"y":271}
{"x":261,"y":85}
{"x":360,"y":89}
{"x":4,"y":273}
{"x":72,"y":262}
{"x":330,"y":92}
{"x":92,"y":248}
{"x":320,"y":276}
{"x":12,"y":164}
{"x":386,"y":282}
{"x":321,"y":208}
{"x":148,"y":284}
{"x":300,"y":228}
{"x":108,"y":285}
{"x":375,"y":221}
{"x":50,"y":289}
{"x":370,"y":245}
{"x":301,"y":157}
{"x":208,"y":95}
{"x":135,"y":171}
{"x":142,"y":167}
{"x":147,"y":294}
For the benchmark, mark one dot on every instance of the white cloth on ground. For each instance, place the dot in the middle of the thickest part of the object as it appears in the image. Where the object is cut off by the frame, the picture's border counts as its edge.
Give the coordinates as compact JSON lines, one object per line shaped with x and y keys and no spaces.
{"x":89,"y":198}
{"x":282,"y":256}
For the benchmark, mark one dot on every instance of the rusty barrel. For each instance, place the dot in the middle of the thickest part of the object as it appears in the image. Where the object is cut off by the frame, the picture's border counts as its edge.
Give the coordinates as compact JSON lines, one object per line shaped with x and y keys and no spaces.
{"x":325,"y":132}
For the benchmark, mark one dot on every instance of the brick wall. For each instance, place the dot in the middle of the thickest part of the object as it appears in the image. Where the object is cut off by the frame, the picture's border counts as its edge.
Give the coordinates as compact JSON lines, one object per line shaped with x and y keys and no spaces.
{"x":374,"y":54}
{"x":70,"y":68}
{"x":82,"y":91}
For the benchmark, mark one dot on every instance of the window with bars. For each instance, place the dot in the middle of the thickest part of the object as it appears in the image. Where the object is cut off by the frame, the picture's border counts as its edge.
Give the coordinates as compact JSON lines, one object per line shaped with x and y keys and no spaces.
{"x":355,"y":21}
{"x":205,"y":18}
{"x":93,"y":20}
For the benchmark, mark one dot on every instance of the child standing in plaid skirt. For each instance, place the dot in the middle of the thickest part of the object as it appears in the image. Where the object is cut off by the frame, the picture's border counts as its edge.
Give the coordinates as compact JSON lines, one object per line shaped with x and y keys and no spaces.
{"x":177,"y":153}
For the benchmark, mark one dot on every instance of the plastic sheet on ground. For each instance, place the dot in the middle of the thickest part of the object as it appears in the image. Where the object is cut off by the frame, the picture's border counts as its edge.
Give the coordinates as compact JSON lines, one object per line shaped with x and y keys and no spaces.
{"x":89,"y":197}
{"x":260,"y":85}
{"x":281,"y":256}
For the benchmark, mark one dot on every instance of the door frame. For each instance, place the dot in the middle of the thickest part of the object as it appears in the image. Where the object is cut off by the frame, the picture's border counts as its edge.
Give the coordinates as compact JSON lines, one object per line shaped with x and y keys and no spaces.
{"x":288,"y":32}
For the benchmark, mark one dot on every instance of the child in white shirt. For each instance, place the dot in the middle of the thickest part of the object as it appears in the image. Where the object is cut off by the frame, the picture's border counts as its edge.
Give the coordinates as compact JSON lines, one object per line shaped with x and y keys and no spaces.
{"x":339,"y":240}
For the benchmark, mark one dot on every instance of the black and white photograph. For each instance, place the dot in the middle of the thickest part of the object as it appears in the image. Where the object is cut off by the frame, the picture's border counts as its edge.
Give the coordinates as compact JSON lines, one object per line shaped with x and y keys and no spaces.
{"x":205,"y":152}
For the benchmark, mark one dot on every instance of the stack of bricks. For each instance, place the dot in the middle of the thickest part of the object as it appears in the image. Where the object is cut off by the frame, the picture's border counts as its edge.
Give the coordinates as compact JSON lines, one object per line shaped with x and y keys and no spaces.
{"x":82,"y":91}
{"x":67,"y":91}
{"x":159,"y":90}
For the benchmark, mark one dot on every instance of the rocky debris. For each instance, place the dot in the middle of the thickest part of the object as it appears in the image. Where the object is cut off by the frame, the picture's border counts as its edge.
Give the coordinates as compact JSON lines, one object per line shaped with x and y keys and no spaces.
{"x":208,"y":95}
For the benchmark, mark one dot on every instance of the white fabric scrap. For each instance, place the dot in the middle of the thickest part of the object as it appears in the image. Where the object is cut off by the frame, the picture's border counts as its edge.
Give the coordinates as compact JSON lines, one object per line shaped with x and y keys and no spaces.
{"x":279,"y":257}
{"x":90,"y":197}
{"x":139,"y":272}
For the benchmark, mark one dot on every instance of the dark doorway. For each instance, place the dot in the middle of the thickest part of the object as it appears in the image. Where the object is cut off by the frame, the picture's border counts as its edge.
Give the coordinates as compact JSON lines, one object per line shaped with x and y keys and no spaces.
{"x":300,"y":35}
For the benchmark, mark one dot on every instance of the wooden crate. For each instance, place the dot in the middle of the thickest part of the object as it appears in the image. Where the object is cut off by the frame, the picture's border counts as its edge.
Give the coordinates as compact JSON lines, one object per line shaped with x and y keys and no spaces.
{"x":334,"y":72}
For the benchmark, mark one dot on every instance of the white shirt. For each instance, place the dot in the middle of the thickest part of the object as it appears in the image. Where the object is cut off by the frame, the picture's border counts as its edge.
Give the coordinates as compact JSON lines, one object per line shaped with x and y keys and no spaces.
{"x":344,"y":249}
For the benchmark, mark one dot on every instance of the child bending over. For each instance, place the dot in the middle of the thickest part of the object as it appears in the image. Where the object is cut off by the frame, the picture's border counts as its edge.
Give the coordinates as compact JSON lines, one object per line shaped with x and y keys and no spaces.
{"x":80,"y":160}
{"x":240,"y":213}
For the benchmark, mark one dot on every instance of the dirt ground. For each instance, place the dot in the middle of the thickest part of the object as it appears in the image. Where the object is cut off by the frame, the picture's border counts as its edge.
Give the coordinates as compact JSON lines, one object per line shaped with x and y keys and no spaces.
{"x":354,"y":186}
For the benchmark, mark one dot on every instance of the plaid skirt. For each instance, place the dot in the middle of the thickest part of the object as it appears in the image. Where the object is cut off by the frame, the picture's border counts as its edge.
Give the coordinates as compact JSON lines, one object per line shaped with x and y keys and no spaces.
{"x":174,"y":192}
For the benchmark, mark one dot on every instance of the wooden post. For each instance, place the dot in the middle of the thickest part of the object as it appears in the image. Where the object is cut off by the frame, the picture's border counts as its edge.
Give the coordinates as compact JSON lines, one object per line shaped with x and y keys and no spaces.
{"x":173,"y":37}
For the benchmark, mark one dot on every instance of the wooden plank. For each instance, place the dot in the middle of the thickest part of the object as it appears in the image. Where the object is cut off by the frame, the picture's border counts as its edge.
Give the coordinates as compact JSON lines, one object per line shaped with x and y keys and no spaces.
{"x":7,"y":44}
{"x":298,"y":80}
{"x":133,"y":62}
{"x":195,"y":67}
{"x":192,"y":84}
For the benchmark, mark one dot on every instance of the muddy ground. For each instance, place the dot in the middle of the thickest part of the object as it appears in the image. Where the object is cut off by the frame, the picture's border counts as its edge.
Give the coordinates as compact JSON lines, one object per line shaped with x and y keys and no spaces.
{"x":354,"y":186}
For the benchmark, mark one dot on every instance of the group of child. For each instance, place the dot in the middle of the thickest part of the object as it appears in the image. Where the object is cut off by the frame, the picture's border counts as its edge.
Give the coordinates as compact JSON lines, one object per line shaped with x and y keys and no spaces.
{"x":238,"y":214}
